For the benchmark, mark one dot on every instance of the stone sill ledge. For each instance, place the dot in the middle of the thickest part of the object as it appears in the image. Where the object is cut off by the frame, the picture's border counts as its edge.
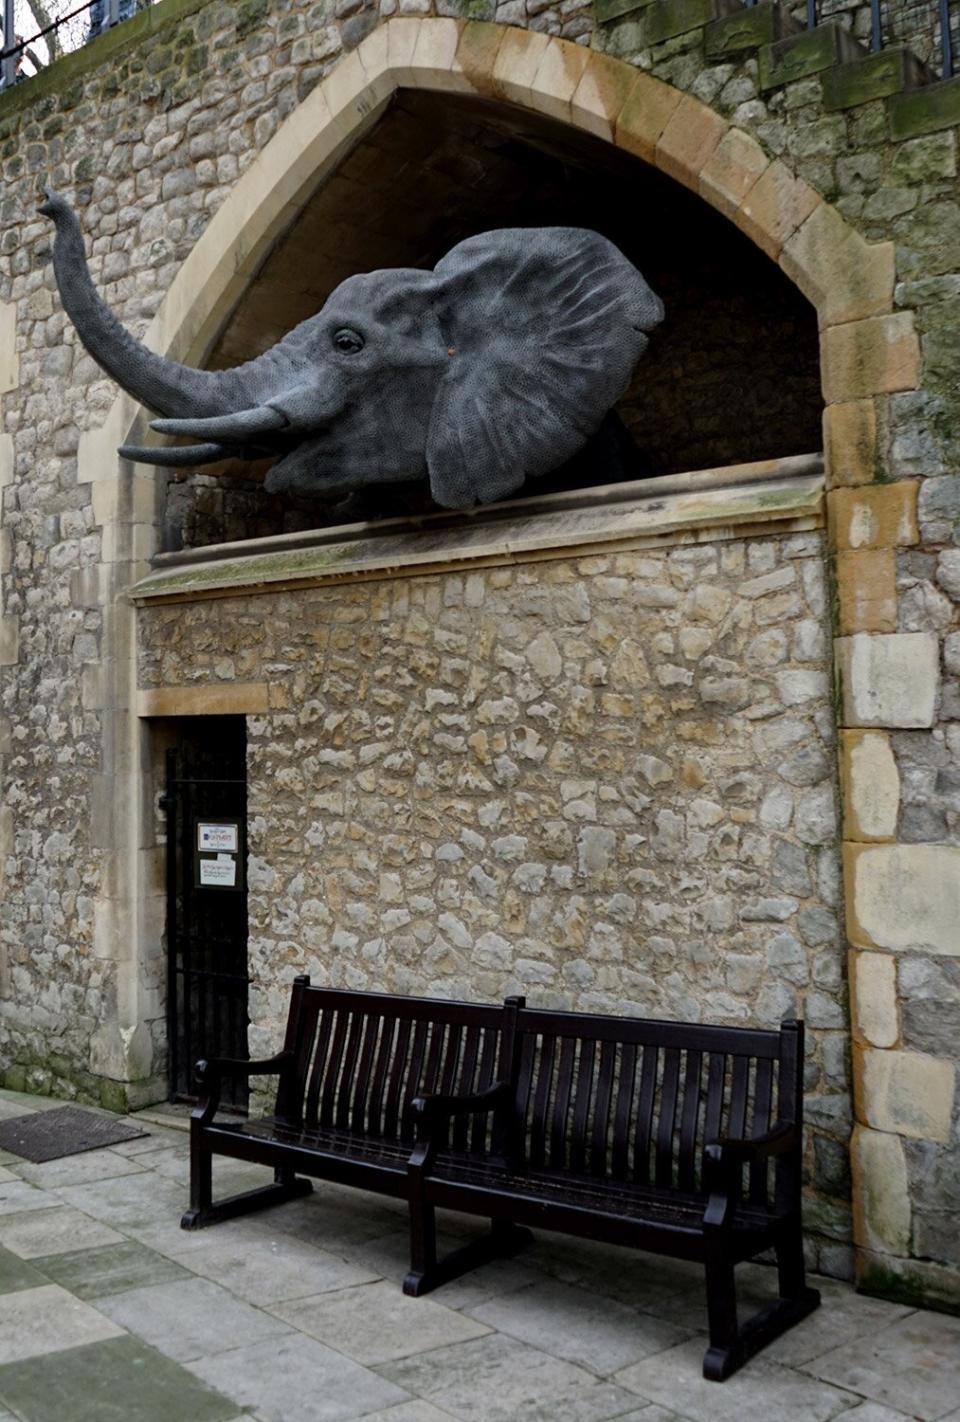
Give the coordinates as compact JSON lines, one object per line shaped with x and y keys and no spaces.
{"x":774,"y":496}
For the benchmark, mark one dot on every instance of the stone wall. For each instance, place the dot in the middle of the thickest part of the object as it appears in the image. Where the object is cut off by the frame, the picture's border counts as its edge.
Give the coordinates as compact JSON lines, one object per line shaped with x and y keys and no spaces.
{"x":607,"y":783}
{"x":149,"y":130}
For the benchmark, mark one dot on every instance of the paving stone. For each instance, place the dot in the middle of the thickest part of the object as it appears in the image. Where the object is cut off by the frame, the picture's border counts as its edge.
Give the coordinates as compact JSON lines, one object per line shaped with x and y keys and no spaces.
{"x":579,"y":1326}
{"x":127,"y":1199}
{"x":418,"y":1411}
{"x":760,"y":1391}
{"x":375,"y":1323}
{"x":111,"y":1269}
{"x":267,"y":1271}
{"x":913,"y":1364}
{"x":120,"y":1380}
{"x":58,"y":1230}
{"x":190,"y":1318}
{"x":873,"y":1412}
{"x":16,"y":1197}
{"x":498,"y":1379}
{"x":78,"y":1169}
{"x":841,"y":1318}
{"x":47,"y":1319}
{"x":16,"y":1274}
{"x":297,"y":1379}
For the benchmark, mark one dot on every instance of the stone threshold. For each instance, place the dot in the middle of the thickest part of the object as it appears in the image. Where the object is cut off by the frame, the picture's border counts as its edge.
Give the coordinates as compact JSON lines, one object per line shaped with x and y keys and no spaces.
{"x":707,"y":505}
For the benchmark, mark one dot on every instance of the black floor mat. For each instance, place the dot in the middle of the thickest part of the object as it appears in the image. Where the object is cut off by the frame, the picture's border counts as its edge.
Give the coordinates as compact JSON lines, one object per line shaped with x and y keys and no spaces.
{"x":64,"y":1130}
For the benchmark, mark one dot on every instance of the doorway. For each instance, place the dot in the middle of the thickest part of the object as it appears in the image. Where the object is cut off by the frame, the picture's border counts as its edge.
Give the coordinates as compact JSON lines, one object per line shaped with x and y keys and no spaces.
{"x":205,"y":802}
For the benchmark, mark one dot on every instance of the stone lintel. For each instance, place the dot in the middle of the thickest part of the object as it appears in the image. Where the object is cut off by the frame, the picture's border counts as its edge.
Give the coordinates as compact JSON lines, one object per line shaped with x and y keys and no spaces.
{"x":235,"y":698}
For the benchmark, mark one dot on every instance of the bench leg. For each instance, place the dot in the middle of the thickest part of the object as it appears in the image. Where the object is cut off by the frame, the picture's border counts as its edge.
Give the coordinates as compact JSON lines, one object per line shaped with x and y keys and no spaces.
{"x":730,"y":1344}
{"x":427,"y":1272}
{"x":203,"y":1211}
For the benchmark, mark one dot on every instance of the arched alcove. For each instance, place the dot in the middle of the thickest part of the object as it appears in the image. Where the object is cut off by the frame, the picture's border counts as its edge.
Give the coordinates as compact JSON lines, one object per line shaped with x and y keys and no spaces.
{"x":732,"y":375}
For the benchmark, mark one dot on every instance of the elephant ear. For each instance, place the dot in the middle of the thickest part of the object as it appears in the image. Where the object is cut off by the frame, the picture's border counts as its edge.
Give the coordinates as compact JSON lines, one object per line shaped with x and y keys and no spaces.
{"x":544,"y":328}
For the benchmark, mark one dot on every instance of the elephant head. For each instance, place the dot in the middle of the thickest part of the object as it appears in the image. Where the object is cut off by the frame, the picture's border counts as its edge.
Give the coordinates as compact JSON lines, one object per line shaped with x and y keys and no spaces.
{"x":496,"y":366}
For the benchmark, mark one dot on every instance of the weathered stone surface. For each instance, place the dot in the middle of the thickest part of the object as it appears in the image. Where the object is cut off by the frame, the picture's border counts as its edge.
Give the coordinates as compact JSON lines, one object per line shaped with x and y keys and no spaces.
{"x":880,"y":1168}
{"x":889,"y":680}
{"x":908,"y":1093}
{"x":871,"y":786}
{"x":874,"y":981}
{"x":905,"y":897}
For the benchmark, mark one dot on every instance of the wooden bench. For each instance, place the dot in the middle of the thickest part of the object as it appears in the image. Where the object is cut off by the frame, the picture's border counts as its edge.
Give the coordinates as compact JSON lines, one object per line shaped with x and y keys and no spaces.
{"x":351,"y":1066}
{"x":670,"y":1137}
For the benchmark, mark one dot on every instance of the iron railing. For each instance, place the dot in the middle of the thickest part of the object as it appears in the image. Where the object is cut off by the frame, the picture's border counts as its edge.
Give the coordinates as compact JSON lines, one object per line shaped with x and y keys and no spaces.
{"x":42,"y":30}
{"x":35,"y":33}
{"x":943,"y":18}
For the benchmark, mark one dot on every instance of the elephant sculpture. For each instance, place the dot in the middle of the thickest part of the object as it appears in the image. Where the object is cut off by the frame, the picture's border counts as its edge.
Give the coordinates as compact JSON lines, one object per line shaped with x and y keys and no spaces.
{"x":496,"y":366}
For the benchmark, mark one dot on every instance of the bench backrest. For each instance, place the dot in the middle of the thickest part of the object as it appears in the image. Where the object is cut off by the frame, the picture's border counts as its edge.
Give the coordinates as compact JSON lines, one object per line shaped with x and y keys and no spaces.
{"x":631,"y":1100}
{"x":362,"y":1057}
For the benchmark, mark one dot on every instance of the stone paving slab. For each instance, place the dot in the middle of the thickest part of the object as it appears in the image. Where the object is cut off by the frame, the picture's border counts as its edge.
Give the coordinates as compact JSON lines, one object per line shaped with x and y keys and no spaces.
{"x":109,"y":1312}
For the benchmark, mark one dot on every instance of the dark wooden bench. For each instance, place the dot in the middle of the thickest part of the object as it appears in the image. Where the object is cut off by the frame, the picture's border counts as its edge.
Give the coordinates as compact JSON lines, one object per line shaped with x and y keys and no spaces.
{"x":670,"y":1137}
{"x":351,"y":1066}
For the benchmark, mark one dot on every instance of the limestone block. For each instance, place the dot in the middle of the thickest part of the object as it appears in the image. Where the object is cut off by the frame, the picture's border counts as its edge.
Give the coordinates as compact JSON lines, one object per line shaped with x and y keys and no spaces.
{"x":6,"y":460}
{"x":690,"y":137}
{"x":9,"y":359}
{"x":234,"y":698}
{"x":731,"y":170}
{"x":880,"y":1182}
{"x":9,"y":640}
{"x":601,"y":94}
{"x":867,"y":590}
{"x":871,"y":786}
{"x":907,"y":1093}
{"x":889,"y":679}
{"x":557,"y":78}
{"x":874,"y":980}
{"x":775,"y":207}
{"x":845,"y":277}
{"x":874,"y":516}
{"x":850,"y":442}
{"x":435,"y":64}
{"x":477,"y":54}
{"x":904,"y":897}
{"x":517,"y":62}
{"x":646,"y":113}
{"x":880,"y":355}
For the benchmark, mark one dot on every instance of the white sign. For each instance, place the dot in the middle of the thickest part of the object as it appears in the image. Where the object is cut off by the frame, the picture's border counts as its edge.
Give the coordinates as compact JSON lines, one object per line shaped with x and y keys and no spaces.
{"x":220,"y":872}
{"x":212,"y":838}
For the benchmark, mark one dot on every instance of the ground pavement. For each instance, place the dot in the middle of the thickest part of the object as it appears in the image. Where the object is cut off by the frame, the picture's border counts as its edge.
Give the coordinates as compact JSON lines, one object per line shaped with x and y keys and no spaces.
{"x":109,"y":1312}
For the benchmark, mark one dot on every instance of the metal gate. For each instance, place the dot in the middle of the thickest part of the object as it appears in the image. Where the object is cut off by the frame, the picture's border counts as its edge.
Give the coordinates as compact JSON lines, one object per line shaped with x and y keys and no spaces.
{"x":206,"y":807}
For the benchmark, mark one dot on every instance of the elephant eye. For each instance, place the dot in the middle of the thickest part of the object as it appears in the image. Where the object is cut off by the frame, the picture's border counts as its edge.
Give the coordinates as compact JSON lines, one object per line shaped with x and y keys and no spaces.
{"x":347,"y":342}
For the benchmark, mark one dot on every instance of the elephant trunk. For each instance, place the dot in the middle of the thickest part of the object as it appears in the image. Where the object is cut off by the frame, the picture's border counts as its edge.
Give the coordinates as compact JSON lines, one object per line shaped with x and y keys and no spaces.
{"x":160,"y":384}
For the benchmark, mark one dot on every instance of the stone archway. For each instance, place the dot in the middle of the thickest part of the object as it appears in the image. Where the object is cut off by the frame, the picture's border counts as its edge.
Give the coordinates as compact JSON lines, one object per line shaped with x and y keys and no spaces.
{"x":868,"y":349}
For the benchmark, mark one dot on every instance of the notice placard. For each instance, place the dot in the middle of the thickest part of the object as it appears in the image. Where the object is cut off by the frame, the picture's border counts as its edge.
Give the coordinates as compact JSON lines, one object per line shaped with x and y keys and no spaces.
{"x":220,"y":873}
{"x":213,"y":838}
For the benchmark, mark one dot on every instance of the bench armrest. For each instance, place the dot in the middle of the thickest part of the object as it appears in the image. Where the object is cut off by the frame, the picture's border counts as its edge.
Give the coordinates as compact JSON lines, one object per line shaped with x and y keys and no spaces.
{"x":210,"y":1075}
{"x":725,"y":1158}
{"x":434,"y":1108}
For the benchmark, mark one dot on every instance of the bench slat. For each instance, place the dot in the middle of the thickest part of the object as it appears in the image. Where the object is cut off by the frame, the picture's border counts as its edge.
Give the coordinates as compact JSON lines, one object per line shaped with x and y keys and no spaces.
{"x":541,"y":1099}
{"x":626,"y":1087}
{"x":648,"y":1088}
{"x":581,"y":1105}
{"x":762,"y":1098}
{"x":378,"y":1085}
{"x":561,"y":1105}
{"x":601,"y":1117}
{"x":397,"y":1071}
{"x":692,"y":1096}
{"x":668,"y":1112}
{"x":345,"y":1085}
{"x":361,"y":1097}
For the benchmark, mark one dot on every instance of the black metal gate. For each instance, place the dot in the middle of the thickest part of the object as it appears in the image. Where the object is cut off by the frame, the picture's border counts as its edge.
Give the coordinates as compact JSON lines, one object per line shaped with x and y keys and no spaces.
{"x":206,"y":807}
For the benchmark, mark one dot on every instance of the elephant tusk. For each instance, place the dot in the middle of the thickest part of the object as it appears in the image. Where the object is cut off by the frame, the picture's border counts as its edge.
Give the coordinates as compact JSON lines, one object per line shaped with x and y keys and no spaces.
{"x":176,"y":456}
{"x":259,"y":419}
